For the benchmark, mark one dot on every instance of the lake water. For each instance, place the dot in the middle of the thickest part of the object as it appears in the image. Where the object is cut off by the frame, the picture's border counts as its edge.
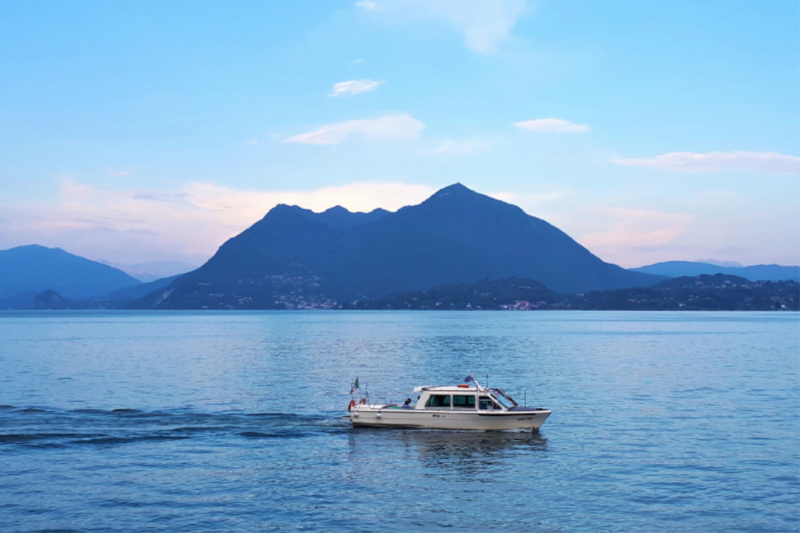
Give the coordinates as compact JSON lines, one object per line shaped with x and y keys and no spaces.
{"x":145,"y":421}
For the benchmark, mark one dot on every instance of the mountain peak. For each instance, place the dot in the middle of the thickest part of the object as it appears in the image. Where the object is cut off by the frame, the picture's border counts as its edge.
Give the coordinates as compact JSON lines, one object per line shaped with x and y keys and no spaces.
{"x":456,"y":189}
{"x":463,"y":199}
{"x":337,"y":209}
{"x":457,"y":194}
{"x":33,"y":248}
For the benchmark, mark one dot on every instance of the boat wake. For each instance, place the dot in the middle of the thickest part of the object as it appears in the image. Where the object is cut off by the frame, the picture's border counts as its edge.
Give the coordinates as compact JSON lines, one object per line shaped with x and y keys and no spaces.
{"x":36,"y":427}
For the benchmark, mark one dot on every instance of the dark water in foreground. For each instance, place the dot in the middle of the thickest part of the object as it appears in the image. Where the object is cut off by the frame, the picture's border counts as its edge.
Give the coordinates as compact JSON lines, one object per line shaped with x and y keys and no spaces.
{"x":230,"y":422}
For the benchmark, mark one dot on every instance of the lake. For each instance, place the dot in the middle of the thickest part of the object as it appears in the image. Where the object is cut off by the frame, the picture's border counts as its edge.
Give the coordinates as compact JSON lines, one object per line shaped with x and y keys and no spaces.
{"x":231,"y":421}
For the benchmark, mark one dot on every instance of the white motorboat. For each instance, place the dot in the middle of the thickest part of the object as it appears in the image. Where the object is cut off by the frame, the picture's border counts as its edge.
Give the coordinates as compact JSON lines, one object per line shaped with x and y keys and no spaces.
{"x":465,"y":406}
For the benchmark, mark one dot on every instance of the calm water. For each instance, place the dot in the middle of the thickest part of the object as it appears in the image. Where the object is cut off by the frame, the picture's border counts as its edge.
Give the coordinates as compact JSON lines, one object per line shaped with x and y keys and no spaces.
{"x":231,"y":422}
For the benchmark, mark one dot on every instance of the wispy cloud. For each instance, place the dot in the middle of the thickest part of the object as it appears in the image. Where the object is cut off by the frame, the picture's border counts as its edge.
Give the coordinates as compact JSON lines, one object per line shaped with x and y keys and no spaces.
{"x":248,"y":205}
{"x":357,"y":61}
{"x":391,"y":127}
{"x":125,"y":173}
{"x":719,"y":162}
{"x":627,"y":228}
{"x":466,"y":147}
{"x":135,"y":225}
{"x":531,"y":202}
{"x":366,"y":5}
{"x":484,"y":23}
{"x":552,"y":125}
{"x":633,"y":237}
{"x":349,"y":88}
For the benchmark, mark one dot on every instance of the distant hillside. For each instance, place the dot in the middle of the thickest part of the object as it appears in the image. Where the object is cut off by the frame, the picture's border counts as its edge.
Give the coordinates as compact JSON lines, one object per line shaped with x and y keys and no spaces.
{"x":296,"y":258}
{"x":718,"y":292}
{"x":137,"y":291}
{"x":676,"y":269}
{"x":22,"y":300}
{"x":508,"y":293}
{"x":700,"y":293}
{"x":50,"y":300}
{"x":33,"y":269}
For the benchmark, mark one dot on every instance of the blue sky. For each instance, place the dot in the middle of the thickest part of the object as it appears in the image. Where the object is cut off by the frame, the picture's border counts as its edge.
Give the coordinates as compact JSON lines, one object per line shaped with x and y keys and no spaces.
{"x":648,"y":131}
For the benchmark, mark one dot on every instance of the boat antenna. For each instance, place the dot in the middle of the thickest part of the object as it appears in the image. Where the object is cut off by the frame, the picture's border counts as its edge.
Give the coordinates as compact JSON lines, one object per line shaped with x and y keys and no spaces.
{"x":526,"y":397}
{"x":487,"y":381}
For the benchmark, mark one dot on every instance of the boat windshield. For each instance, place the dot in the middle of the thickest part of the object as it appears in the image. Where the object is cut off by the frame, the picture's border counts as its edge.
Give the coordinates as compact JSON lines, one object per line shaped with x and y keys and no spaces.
{"x":503,"y":398}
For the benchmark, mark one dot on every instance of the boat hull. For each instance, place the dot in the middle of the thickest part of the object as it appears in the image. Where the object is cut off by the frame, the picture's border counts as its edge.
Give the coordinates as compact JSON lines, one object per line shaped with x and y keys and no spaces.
{"x":369,"y":416}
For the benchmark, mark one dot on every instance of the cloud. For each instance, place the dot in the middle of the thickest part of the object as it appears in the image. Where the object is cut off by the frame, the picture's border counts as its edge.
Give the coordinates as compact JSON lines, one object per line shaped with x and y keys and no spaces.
{"x":128,"y":172}
{"x":552,"y":125}
{"x":530,"y":202}
{"x":632,"y":237}
{"x":349,"y":88}
{"x":246,"y":206}
{"x":625,"y":228}
{"x":390,"y":127}
{"x":367,"y":5}
{"x":357,"y":61}
{"x":719,"y":162}
{"x":451,"y":147}
{"x":484,"y":23}
{"x":188,"y":224}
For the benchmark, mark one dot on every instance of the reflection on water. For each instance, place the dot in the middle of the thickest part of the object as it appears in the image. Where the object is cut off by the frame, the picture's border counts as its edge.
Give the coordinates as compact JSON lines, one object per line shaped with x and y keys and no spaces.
{"x":471,"y":452}
{"x":474,"y":455}
{"x":454,"y":445}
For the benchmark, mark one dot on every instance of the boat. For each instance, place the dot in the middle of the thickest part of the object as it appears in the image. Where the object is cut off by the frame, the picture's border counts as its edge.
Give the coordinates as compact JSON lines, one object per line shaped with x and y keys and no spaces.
{"x":467,"y":406}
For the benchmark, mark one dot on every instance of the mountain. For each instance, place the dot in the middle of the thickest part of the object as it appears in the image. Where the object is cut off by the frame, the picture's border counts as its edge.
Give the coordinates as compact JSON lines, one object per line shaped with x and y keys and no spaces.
{"x":137,"y":291}
{"x":297,"y":258}
{"x":30,"y":270}
{"x":732,"y":264}
{"x":676,"y":269}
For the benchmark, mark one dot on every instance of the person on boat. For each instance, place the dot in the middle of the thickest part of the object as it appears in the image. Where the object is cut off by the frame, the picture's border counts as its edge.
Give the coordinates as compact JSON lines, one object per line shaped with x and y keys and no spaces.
{"x":407,"y":405}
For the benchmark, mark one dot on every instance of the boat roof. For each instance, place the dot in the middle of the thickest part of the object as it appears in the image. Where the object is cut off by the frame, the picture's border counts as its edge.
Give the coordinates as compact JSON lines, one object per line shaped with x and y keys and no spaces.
{"x":447,"y":388}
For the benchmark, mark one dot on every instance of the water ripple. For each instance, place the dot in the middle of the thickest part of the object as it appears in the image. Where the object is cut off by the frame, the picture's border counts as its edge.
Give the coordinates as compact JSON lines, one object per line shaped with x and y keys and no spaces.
{"x":187,"y":422}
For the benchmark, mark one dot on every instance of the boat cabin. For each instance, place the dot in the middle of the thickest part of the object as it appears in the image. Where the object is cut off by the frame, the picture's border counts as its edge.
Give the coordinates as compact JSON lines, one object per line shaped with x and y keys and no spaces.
{"x":463,"y":397}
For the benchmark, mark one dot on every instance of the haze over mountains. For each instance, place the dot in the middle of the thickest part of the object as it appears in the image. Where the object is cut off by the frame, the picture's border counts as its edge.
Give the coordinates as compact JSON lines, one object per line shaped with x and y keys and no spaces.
{"x":153,"y":270}
{"x":294,"y":258}
{"x":675,"y":269}
{"x":26,"y":271}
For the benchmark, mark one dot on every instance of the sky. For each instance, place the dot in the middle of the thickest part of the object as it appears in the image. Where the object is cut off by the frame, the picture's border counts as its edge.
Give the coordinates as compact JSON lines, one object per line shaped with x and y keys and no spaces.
{"x":647,"y":131}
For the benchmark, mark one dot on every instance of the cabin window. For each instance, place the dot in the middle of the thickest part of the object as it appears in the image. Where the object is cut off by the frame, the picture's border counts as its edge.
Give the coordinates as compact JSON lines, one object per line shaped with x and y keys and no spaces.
{"x":464,"y":402}
{"x":438,"y":400}
{"x":487,"y":403}
{"x":504,"y":399}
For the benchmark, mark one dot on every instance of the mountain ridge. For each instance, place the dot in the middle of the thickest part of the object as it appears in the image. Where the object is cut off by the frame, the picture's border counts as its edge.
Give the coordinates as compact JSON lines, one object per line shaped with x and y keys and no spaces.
{"x":456,"y":235}
{"x":696,"y":268}
{"x":705,"y":292}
